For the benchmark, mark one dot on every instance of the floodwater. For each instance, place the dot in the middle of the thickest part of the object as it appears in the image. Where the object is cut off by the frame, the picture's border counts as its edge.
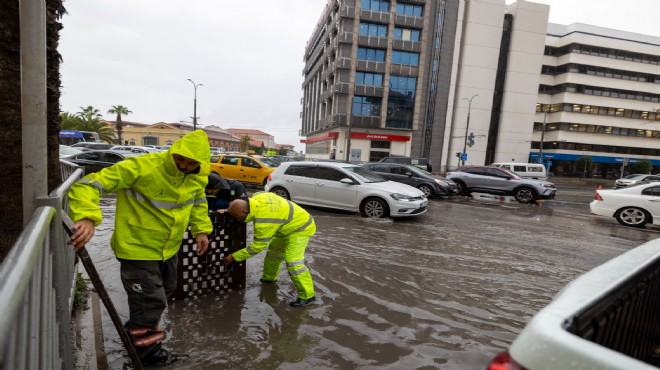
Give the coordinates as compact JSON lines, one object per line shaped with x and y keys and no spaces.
{"x":447,"y":290}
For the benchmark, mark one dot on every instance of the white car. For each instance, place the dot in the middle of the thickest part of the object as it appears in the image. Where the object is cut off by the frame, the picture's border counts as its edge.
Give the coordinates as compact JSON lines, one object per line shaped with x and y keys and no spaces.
{"x":635,"y":206}
{"x":135,"y":149}
{"x":345,"y":186}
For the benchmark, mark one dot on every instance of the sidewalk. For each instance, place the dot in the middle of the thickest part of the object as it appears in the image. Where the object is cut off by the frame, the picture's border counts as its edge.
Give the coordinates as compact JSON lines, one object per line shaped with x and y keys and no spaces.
{"x":581,"y":182}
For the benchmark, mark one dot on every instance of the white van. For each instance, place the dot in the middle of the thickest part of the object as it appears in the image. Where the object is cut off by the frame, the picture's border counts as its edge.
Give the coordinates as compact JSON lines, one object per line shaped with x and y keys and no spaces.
{"x":525,"y":170}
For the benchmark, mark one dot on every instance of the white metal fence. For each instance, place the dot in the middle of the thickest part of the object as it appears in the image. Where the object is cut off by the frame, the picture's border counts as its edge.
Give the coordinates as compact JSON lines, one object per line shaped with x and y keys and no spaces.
{"x":37,"y":279}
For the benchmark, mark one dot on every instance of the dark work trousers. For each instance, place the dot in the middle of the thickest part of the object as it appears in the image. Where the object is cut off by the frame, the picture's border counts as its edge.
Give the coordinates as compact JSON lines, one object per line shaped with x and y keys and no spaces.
{"x":147,"y":285}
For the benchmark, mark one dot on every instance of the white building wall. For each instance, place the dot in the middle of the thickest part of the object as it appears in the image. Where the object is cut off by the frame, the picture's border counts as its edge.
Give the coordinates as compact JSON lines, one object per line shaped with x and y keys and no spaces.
{"x":475,"y":65}
{"x":522,"y":81}
{"x":559,"y":35}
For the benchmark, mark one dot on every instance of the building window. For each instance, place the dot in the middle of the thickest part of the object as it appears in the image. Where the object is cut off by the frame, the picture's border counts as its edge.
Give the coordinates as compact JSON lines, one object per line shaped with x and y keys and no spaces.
{"x":401,"y":102}
{"x":370,"y":79}
{"x":409,"y":9}
{"x":377,"y":55}
{"x":149,"y":140}
{"x":406,"y":34}
{"x":377,"y":5}
{"x":405,"y":57}
{"x":372,"y":29}
{"x":368,"y":106}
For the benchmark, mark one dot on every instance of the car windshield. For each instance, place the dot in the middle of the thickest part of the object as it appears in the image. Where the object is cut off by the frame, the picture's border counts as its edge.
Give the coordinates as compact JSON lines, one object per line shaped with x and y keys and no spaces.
{"x":364,"y":174}
{"x":417,"y":170}
{"x":634,"y":177}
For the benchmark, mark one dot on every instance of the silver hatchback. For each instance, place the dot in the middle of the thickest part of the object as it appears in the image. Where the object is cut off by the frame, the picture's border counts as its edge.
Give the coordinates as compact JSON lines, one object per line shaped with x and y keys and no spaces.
{"x":498,"y":181}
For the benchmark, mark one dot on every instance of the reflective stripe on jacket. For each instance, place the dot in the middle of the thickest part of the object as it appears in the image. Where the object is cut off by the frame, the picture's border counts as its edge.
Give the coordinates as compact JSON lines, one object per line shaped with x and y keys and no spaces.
{"x":155,"y":201}
{"x":274,"y":216}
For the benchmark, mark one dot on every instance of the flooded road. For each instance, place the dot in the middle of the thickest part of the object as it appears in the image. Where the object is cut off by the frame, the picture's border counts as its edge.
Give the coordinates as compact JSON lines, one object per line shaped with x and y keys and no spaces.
{"x":447,"y":290}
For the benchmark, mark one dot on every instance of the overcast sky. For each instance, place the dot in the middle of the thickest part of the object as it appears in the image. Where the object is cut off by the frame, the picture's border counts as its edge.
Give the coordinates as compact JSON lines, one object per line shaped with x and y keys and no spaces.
{"x":247,"y":54}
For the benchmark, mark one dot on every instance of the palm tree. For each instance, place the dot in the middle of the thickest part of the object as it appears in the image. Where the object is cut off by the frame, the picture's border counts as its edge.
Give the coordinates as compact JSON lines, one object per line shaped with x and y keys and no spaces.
{"x":89,"y":113}
{"x":119,"y":110}
{"x":88,"y":121}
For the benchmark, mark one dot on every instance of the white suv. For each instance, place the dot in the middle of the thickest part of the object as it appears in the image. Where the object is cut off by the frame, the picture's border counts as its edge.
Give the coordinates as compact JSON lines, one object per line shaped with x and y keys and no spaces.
{"x":345,"y":186}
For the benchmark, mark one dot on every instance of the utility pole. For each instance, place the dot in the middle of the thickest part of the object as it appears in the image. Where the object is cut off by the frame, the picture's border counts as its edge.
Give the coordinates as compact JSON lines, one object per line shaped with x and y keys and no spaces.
{"x":467,"y":126}
{"x":545,"y":114}
{"x":195,"y":104}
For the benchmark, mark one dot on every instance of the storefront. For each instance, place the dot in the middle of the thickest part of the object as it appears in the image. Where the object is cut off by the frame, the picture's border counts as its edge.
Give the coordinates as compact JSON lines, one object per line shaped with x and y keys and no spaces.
{"x":365,"y":146}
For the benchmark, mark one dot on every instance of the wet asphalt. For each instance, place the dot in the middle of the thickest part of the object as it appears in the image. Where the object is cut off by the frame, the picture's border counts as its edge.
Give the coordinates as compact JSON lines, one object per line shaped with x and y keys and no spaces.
{"x":449,"y":289}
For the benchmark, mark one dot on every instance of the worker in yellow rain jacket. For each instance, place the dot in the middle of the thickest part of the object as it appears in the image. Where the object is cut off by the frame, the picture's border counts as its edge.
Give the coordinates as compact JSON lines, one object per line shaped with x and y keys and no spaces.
{"x":158,"y":196}
{"x":283,"y":227}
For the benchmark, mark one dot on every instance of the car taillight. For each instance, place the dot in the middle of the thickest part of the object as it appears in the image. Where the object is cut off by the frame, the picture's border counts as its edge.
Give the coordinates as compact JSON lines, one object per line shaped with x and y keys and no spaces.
{"x":598,"y":197}
{"x":503,"y":361}
{"x":269,"y":178}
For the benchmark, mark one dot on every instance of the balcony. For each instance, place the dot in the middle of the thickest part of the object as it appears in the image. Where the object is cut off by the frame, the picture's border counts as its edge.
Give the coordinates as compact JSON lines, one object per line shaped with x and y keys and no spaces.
{"x":374,"y":16}
{"x":367,"y":90}
{"x":362,"y":121}
{"x":371,"y":66}
{"x":404,"y":70}
{"x":347,"y":11}
{"x":373,"y":41}
{"x":344,"y":63}
{"x":408,"y":21}
{"x":404,"y":45}
{"x":345,"y":37}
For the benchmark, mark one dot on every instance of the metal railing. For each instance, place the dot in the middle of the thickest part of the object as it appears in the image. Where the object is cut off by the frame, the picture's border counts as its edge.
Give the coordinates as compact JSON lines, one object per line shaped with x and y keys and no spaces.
{"x":37,"y":279}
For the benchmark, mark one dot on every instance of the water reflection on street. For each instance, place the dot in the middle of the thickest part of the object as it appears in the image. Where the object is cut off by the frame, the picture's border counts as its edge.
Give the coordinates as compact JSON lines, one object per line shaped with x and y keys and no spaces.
{"x":449,"y":289}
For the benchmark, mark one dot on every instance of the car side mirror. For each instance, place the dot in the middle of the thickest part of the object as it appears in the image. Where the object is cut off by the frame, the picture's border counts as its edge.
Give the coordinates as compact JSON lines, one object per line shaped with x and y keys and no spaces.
{"x":347,"y":181}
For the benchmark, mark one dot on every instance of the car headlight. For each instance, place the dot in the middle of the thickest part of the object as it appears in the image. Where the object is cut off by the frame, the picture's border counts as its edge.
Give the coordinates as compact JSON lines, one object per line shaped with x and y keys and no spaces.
{"x":440,"y":182}
{"x":552,"y":186}
{"x":402,"y":197}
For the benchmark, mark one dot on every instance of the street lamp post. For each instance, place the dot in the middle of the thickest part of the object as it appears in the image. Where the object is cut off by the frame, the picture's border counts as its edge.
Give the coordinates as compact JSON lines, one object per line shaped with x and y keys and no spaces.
{"x":467,"y":126}
{"x":195,"y":104}
{"x":545,"y":114}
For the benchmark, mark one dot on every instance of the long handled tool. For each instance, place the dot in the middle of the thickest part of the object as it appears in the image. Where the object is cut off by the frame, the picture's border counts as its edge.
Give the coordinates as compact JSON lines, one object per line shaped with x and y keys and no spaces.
{"x":70,"y":228}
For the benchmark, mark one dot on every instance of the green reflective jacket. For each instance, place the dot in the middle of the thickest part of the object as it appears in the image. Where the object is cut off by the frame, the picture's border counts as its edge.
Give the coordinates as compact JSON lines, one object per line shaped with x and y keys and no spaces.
{"x":274,"y":216}
{"x":155,"y":201}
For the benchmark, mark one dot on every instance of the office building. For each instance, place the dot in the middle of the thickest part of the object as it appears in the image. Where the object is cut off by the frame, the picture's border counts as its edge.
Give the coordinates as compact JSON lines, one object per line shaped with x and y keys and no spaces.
{"x":599,"y":97}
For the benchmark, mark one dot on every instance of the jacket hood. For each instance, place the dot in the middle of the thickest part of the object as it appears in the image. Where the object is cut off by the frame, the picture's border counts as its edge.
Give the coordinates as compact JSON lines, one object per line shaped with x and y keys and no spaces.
{"x":195,"y":145}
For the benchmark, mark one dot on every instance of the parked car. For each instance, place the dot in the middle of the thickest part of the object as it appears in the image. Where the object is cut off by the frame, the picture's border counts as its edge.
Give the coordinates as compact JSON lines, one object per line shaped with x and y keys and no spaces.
{"x":135,"y":149}
{"x":96,"y":160}
{"x":345,"y":186}
{"x":88,"y":145}
{"x":499,"y":181}
{"x":635,"y":179}
{"x":633,"y":206}
{"x":431,"y":185}
{"x":241,"y":167}
{"x":66,"y":151}
{"x":421,"y":162}
{"x":535,"y":171}
{"x":268,"y":161}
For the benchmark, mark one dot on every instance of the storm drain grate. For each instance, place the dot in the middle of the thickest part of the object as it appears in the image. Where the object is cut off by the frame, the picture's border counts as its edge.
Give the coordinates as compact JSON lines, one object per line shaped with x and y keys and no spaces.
{"x":201,"y":275}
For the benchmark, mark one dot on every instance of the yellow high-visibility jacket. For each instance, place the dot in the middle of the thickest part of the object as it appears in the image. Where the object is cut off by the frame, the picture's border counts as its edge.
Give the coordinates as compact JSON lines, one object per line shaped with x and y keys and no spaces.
{"x":274,"y":216}
{"x":155,"y":201}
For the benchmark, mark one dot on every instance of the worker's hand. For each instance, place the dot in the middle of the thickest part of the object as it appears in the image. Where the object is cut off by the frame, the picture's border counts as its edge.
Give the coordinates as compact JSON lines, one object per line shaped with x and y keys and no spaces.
{"x":83,"y":234}
{"x":229,"y":259}
{"x":202,"y":241}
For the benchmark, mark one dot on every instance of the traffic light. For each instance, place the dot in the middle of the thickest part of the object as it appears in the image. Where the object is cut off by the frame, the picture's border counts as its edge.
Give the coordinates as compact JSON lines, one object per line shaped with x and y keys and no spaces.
{"x":458,"y":154}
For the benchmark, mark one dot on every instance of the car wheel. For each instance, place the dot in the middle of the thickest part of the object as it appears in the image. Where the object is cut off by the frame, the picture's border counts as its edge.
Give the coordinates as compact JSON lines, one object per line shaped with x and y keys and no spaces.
{"x":524,"y":195}
{"x":428,"y":192}
{"x":462,"y":189}
{"x":281,"y":192}
{"x":374,"y":208}
{"x":632,"y":216}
